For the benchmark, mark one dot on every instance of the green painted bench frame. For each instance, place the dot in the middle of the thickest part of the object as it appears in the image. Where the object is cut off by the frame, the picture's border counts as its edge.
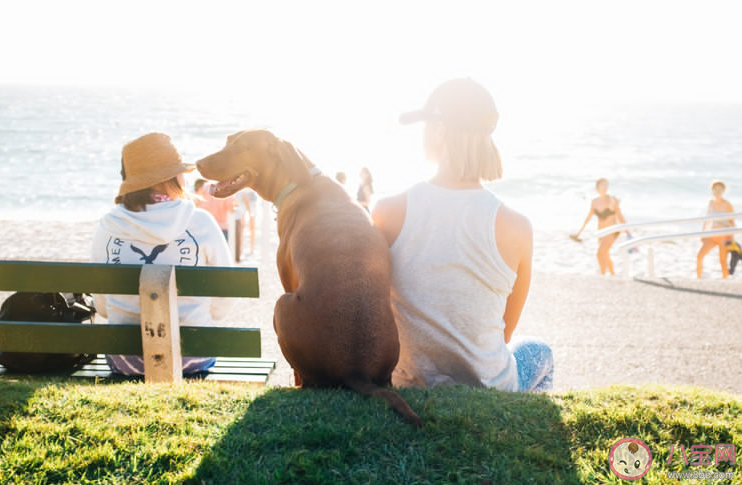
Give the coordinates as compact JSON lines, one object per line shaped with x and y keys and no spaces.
{"x":238,"y":349}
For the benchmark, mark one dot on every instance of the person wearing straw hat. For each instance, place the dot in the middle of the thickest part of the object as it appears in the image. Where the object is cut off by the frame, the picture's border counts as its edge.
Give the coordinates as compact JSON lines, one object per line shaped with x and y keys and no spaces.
{"x":154,"y":222}
{"x":461,"y":260}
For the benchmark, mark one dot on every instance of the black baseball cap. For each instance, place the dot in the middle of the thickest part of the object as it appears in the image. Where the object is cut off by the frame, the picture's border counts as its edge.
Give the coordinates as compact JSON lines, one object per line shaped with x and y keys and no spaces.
{"x":461,"y":104}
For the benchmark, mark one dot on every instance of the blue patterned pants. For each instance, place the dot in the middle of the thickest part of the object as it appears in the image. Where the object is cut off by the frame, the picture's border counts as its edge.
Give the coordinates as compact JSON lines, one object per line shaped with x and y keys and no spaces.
{"x":535,"y":364}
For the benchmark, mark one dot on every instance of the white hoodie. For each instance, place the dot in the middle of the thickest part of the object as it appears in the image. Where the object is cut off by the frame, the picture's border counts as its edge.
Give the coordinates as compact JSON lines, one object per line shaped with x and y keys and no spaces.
{"x":173,"y":232}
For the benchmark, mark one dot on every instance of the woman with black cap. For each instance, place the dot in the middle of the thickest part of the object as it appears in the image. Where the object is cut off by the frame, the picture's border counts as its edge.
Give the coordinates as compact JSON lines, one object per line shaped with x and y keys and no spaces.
{"x":461,"y":260}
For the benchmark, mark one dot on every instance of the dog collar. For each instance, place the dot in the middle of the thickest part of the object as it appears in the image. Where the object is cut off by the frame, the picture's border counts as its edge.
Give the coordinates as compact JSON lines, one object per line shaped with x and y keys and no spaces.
{"x":314,"y":171}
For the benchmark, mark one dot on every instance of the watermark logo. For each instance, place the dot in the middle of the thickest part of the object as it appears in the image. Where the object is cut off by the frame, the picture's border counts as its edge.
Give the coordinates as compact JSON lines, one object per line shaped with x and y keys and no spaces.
{"x":630,"y":459}
{"x":701,"y":455}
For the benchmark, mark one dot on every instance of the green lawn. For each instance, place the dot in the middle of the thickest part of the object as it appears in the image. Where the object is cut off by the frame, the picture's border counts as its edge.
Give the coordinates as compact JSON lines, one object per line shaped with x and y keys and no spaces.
{"x":207,"y":433}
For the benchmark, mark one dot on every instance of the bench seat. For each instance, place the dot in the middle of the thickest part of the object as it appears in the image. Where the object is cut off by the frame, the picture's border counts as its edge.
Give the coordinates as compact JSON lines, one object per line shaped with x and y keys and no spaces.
{"x":226,"y":369}
{"x":158,"y":336}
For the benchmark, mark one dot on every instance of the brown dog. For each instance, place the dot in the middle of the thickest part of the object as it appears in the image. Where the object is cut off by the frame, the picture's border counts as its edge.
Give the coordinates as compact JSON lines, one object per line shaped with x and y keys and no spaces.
{"x":334,"y":323}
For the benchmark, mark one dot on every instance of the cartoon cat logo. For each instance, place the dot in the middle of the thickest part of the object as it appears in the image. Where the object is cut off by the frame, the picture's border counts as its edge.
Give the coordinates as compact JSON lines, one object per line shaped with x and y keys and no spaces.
{"x":630,"y":459}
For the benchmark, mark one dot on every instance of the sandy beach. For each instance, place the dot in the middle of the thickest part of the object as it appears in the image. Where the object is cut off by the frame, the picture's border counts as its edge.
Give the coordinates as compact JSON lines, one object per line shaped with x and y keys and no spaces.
{"x":602,"y":330}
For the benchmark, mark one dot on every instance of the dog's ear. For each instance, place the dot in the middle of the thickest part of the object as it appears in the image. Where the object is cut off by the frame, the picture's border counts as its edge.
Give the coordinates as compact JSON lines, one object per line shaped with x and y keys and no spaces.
{"x":293,"y":161}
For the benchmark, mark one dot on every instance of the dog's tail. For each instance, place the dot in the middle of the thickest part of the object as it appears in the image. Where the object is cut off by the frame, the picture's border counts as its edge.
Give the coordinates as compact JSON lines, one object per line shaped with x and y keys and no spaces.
{"x":363,"y":385}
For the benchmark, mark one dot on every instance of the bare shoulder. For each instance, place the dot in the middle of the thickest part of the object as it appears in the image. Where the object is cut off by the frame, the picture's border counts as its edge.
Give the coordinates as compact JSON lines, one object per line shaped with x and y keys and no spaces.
{"x":388,"y":215}
{"x":513,"y":236}
{"x":514,"y":223}
{"x":390,"y":204}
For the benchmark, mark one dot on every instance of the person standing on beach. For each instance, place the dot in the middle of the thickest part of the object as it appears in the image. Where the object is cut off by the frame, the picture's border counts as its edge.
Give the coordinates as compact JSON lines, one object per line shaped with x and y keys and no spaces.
{"x":606,"y":208}
{"x":221,"y":209}
{"x":461,"y":260}
{"x":244,"y":210}
{"x":155,"y":223}
{"x":342,"y":179}
{"x":365,"y":188}
{"x":717,"y":205}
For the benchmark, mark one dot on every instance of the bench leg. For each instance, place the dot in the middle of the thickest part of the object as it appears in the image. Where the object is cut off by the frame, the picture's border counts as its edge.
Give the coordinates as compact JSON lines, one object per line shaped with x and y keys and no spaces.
{"x":160,"y":326}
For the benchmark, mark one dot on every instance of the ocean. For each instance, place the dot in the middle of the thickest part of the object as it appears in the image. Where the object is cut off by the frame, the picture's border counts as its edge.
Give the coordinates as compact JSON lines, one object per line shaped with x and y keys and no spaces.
{"x":60,"y":156}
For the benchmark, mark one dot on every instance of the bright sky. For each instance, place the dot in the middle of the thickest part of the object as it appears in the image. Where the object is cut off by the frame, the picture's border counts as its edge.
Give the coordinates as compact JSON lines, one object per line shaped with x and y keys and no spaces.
{"x":336,"y":62}
{"x":376,"y":50}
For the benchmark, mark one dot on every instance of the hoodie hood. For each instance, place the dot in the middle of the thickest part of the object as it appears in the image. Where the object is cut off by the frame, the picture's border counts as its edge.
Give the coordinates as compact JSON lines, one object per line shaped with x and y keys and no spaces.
{"x":160,"y":223}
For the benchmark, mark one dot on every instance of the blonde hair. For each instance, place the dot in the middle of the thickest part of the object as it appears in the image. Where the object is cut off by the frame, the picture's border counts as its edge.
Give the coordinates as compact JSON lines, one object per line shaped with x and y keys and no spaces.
{"x":600,"y":181}
{"x":718,"y":182}
{"x":470,"y":156}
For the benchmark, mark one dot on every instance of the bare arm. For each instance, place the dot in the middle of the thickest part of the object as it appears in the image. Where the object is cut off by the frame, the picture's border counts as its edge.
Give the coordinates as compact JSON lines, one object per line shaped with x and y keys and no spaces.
{"x":731,"y":209}
{"x":587,"y":219}
{"x":388,"y":215}
{"x":517,"y":252}
{"x":619,"y":214}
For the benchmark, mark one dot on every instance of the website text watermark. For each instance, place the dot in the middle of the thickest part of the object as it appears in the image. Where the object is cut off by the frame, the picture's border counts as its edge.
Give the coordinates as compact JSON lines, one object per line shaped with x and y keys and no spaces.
{"x":700,"y":475}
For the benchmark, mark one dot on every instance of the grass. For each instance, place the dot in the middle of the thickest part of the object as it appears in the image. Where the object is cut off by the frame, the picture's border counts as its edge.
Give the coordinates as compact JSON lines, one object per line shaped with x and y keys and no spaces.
{"x":56,"y":431}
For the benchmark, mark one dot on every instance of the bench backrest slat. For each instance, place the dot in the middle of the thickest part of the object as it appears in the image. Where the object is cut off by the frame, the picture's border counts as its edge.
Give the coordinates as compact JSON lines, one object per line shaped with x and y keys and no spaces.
{"x":123,"y":339}
{"x":123,"y":279}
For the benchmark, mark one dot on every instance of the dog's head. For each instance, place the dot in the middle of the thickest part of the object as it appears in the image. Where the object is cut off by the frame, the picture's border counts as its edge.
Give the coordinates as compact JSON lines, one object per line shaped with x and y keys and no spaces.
{"x":257,"y":159}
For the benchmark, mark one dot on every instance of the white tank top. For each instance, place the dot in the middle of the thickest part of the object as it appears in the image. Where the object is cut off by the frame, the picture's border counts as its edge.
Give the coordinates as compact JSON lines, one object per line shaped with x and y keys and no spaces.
{"x":450,"y":286}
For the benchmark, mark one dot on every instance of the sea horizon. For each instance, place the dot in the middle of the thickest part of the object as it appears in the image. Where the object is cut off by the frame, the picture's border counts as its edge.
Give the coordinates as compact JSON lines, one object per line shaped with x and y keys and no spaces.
{"x":60,"y":150}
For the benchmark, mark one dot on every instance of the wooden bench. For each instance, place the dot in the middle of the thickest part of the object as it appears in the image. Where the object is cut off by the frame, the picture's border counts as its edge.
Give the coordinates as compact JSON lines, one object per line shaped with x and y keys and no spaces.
{"x":158,"y":337}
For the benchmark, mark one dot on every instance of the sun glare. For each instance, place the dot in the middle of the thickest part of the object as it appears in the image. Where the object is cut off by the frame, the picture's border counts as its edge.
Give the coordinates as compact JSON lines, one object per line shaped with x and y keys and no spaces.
{"x":344,"y":67}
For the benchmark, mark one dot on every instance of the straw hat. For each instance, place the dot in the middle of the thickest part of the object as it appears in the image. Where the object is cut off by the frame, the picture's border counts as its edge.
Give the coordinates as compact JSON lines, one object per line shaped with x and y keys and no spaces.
{"x":150,"y":160}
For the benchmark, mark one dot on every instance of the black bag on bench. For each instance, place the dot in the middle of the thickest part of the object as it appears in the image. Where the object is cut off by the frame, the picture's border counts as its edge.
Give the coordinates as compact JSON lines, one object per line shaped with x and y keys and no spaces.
{"x":46,"y":307}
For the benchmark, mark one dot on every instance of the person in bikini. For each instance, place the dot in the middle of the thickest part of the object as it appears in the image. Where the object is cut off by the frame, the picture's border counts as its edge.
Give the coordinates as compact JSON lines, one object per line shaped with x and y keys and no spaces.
{"x":606,"y":208}
{"x":717,"y":205}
